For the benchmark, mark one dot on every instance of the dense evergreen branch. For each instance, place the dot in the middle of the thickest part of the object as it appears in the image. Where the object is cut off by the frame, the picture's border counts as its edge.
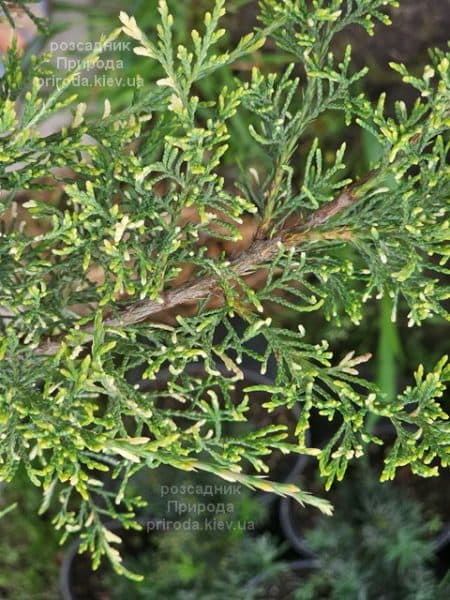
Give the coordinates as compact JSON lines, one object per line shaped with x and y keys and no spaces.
{"x":141,"y":205}
{"x":258,"y":254}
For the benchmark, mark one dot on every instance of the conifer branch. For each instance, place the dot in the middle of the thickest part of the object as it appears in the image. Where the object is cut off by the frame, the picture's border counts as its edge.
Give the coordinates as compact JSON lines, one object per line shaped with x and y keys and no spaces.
{"x":258,"y":254}
{"x":122,"y":227}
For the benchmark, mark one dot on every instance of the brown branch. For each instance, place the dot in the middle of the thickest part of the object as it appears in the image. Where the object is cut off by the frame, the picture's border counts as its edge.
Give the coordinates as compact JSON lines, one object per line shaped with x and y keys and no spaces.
{"x":260,"y":252}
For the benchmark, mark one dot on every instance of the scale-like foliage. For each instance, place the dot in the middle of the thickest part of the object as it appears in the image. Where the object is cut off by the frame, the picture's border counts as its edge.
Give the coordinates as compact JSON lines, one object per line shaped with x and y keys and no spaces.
{"x":137,"y":195}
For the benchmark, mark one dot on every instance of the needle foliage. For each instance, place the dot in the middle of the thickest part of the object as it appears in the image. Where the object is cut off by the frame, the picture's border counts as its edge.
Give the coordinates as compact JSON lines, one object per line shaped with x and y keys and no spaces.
{"x":69,"y":412}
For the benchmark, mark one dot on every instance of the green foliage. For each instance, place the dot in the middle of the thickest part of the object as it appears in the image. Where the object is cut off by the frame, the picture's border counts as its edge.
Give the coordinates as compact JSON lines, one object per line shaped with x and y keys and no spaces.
{"x":29,"y":547}
{"x":68,"y":409}
{"x":130,"y":67}
{"x":185,"y":566}
{"x":10,"y":10}
{"x":377,"y":545}
{"x":190,"y":562}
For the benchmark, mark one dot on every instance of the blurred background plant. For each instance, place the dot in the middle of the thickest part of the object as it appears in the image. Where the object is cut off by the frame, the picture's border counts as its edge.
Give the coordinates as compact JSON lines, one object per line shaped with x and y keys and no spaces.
{"x":378,"y":545}
{"x":29,"y":547}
